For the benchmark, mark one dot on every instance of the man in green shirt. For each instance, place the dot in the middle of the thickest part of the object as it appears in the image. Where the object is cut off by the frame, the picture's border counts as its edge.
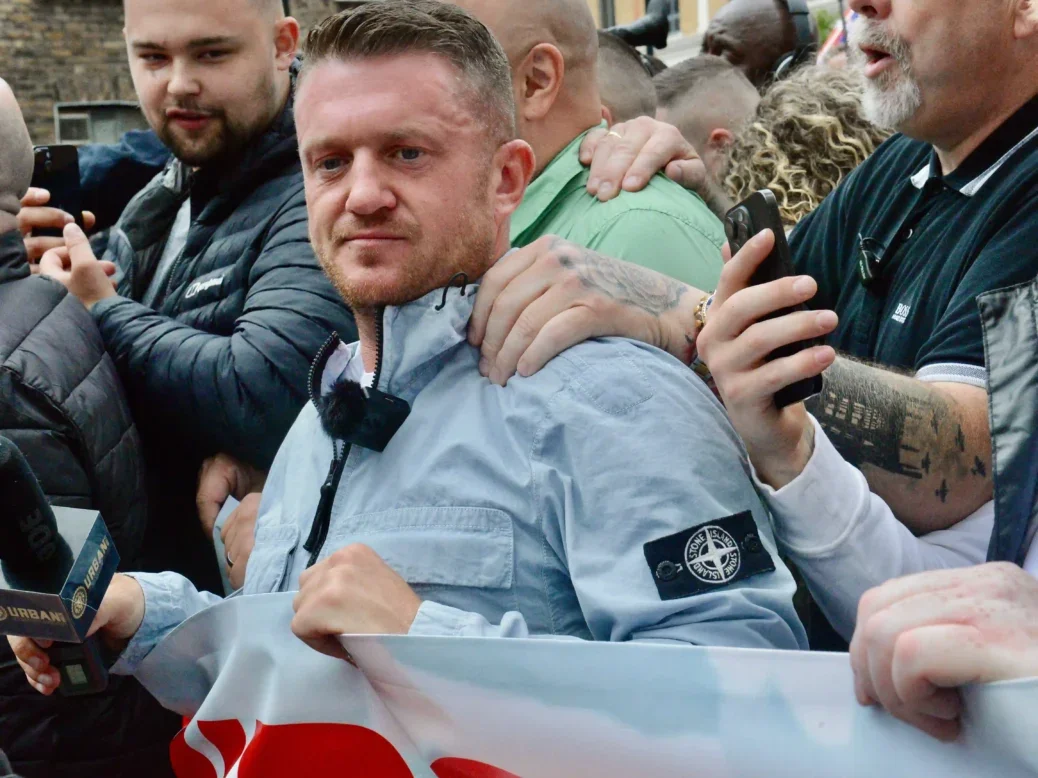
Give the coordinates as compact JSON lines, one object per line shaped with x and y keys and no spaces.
{"x":552,"y":46}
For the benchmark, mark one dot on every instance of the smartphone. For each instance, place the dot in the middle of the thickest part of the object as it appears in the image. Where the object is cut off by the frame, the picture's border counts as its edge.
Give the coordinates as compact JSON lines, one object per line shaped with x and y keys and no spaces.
{"x":756,"y":213}
{"x":56,"y":169}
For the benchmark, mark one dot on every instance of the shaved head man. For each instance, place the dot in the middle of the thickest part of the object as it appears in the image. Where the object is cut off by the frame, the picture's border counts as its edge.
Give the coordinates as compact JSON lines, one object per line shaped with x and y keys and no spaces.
{"x":552,"y":48}
{"x":624,"y":84}
{"x":15,"y":159}
{"x":709,"y":100}
{"x":752,"y":35}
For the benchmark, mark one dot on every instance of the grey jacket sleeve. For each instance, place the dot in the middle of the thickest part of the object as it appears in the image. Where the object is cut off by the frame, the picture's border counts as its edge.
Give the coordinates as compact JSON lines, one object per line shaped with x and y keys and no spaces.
{"x":635,"y":451}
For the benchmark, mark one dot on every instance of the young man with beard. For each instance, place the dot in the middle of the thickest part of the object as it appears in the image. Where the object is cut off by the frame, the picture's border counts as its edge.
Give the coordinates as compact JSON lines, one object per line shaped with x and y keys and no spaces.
{"x":218,"y":304}
{"x":937,"y":216}
{"x":548,"y":507}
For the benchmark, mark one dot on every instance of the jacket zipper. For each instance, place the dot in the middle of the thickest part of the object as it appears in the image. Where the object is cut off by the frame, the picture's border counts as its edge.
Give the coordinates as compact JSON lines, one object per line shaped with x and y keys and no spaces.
{"x":330,"y":488}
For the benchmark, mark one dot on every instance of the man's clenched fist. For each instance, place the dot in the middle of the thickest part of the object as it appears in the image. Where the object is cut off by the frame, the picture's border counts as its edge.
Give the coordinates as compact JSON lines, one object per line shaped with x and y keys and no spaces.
{"x":352,"y":592}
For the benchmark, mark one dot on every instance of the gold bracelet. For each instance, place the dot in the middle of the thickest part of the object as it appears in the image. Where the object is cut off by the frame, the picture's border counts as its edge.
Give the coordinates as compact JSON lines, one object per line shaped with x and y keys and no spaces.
{"x":699,"y":316}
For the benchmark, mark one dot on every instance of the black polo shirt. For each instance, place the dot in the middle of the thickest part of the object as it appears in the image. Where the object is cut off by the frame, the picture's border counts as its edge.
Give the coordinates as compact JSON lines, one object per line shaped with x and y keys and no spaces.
{"x":936,"y":243}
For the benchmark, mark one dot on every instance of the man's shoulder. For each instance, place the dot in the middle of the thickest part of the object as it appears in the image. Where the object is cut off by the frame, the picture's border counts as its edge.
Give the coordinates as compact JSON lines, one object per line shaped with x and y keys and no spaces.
{"x":615,"y":376}
{"x":661,"y":200}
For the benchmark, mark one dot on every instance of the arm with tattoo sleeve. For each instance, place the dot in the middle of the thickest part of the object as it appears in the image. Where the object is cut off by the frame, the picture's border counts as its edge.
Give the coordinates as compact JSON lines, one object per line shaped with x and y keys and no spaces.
{"x":924,"y":448}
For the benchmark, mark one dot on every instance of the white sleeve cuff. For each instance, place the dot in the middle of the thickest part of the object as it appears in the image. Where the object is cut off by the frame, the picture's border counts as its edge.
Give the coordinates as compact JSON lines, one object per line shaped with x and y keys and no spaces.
{"x":816,"y":511}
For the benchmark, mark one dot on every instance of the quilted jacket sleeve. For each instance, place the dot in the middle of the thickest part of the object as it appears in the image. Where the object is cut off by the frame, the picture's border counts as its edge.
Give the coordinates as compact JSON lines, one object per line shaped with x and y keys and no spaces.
{"x":240,"y":393}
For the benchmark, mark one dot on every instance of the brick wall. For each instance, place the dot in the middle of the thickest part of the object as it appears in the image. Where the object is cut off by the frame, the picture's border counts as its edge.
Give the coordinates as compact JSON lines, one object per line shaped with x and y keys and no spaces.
{"x":64,"y":51}
{"x":72,"y":51}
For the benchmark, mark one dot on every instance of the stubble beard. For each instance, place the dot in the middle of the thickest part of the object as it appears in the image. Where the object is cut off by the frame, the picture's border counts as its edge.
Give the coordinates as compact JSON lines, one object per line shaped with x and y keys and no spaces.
{"x":228,"y":138}
{"x":429,"y":267}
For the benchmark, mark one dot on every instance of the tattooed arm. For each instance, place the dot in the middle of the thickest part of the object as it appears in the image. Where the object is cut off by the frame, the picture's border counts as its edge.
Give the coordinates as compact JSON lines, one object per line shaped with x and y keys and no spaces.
{"x":924,"y":448}
{"x":540,"y":300}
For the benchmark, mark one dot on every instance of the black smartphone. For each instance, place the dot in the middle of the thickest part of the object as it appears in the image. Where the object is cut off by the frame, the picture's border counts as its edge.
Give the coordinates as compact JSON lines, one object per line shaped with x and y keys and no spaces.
{"x":56,"y":169}
{"x":756,"y":213}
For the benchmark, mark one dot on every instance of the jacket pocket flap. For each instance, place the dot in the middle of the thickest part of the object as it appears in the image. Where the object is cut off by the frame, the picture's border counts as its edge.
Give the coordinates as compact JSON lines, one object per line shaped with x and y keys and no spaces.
{"x":269,"y":560}
{"x":440,"y":546}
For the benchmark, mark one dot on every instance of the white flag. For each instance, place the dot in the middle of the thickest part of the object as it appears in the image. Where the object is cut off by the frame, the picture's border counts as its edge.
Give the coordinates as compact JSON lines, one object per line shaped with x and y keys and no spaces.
{"x":266,"y":705}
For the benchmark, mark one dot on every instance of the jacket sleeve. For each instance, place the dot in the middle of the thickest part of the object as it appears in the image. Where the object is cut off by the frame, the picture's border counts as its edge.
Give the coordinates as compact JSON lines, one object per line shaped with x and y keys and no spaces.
{"x":634,"y":451}
{"x":169,"y":601}
{"x":240,"y":393}
{"x":845,"y":540}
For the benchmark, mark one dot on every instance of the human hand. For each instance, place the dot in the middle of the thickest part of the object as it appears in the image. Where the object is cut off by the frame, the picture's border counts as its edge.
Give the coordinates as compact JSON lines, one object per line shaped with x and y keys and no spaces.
{"x":735,"y":343}
{"x":629,"y":154}
{"x":117,"y":621}
{"x":35,"y":216}
{"x":78,"y":270}
{"x":239,"y":536}
{"x":551,"y":295}
{"x":223,"y":476}
{"x":922,"y":637}
{"x":352,"y":592}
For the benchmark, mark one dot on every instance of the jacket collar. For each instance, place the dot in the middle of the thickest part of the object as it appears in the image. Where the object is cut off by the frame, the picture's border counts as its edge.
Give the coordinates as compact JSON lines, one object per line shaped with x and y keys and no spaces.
{"x":14,"y":262}
{"x":417,"y":339}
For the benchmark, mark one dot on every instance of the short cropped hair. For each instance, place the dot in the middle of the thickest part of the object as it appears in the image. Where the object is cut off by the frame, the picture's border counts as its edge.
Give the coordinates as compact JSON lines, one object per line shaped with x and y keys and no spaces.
{"x":684,"y":80}
{"x":624,"y":83}
{"x":808,"y":134}
{"x":396,"y":27}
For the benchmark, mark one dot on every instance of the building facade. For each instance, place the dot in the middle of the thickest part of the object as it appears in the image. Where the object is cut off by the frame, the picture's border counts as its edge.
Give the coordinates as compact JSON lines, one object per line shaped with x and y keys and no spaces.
{"x":66,"y":59}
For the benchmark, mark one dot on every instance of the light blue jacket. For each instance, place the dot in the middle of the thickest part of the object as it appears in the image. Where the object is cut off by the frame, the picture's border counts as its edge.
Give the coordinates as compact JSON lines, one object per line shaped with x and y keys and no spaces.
{"x":522,"y":510}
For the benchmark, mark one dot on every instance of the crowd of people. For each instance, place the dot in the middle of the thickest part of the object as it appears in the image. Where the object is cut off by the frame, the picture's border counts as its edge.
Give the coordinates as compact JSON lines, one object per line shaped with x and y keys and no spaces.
{"x":442,"y":299}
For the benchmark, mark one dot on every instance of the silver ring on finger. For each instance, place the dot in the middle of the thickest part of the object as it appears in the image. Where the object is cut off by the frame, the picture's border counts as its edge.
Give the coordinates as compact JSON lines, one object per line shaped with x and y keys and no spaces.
{"x":227,"y":556}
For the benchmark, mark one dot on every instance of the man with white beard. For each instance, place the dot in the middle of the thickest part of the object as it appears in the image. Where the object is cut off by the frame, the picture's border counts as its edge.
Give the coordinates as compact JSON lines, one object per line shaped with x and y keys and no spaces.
{"x":940,"y":214}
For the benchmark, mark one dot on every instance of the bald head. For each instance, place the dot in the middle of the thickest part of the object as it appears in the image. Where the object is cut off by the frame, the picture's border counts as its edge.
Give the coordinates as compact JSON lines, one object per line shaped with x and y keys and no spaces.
{"x":15,"y":158}
{"x":566,"y":24}
{"x":552,"y":48}
{"x":752,"y":35}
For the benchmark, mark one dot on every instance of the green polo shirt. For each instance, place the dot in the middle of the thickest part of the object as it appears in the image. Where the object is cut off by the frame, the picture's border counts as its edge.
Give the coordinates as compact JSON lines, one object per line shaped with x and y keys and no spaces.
{"x":664,"y":227}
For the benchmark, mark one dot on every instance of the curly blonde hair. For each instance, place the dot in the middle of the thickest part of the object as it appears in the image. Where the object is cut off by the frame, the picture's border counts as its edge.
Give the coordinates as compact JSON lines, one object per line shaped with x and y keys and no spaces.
{"x":809,"y":132}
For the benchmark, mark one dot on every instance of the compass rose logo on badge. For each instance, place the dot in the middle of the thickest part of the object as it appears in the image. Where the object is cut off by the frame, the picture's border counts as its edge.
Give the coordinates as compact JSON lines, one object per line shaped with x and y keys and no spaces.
{"x":713,"y":556}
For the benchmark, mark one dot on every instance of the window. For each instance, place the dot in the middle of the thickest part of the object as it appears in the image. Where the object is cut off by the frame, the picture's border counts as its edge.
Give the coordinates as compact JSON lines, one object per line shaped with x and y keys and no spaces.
{"x":675,"y":16}
{"x":79,"y":123}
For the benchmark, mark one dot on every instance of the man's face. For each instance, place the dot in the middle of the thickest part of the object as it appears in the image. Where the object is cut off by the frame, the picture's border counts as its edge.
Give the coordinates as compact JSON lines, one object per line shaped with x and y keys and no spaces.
{"x":398,"y":177}
{"x":751,"y":35}
{"x":205,"y":73}
{"x":920,"y":59}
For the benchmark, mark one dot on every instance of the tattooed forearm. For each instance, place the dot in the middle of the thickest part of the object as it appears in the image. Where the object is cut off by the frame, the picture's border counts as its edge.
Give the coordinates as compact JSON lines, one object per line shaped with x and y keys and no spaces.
{"x":928,"y":449}
{"x":628,"y":284}
{"x":873,"y":423}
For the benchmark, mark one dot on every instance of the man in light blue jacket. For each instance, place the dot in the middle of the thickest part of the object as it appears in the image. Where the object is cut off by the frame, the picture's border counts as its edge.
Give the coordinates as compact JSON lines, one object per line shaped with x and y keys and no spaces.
{"x":605,"y":498}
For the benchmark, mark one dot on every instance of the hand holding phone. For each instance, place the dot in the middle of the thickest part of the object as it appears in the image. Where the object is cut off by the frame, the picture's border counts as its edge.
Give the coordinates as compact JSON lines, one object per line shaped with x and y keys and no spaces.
{"x":53,"y":196}
{"x":757,"y":213}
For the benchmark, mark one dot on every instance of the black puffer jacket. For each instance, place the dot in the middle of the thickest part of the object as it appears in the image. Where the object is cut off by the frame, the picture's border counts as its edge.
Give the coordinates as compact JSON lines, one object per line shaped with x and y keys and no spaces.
{"x":221,"y":365}
{"x":61,"y":403}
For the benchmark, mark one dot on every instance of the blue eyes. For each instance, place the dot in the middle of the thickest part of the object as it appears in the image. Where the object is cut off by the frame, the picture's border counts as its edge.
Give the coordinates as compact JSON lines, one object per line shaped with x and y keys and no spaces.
{"x":410,"y":155}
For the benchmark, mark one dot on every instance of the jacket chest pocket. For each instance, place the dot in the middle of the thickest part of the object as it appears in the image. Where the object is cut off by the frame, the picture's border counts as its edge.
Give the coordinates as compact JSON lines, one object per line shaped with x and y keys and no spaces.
{"x":270,"y":558}
{"x":443,"y":553}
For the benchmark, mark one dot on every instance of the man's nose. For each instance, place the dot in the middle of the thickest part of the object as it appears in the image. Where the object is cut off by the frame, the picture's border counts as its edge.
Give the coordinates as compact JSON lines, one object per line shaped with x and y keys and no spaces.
{"x":872,"y":9}
{"x":182,"y":80}
{"x":369,"y":192}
